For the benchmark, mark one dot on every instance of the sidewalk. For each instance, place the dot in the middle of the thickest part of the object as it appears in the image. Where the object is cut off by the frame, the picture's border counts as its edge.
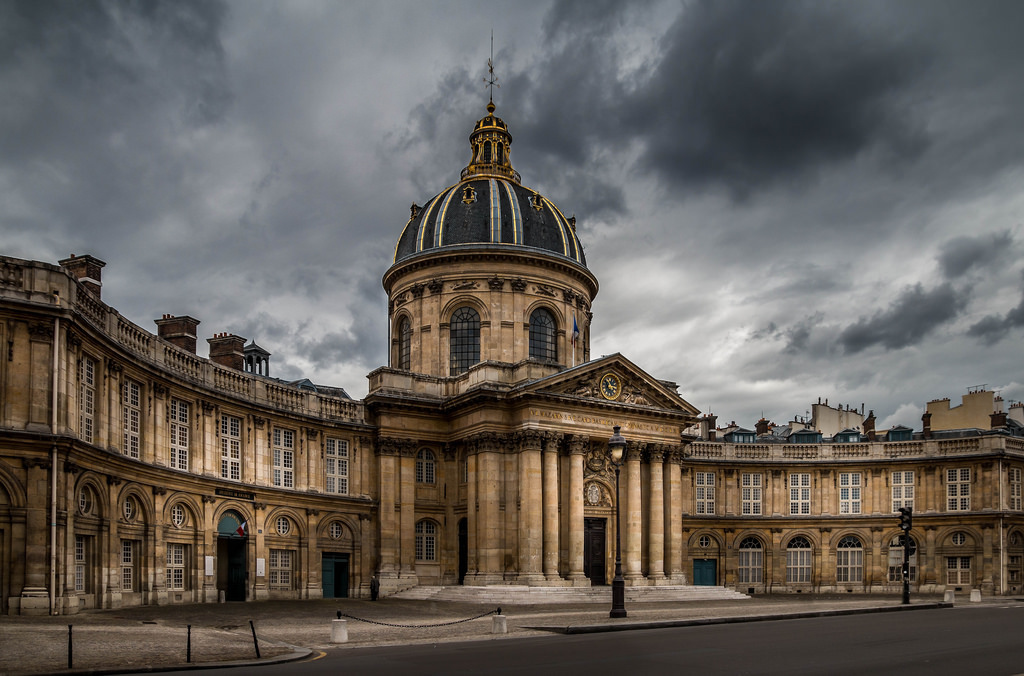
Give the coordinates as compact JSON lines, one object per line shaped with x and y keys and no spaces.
{"x":155,"y":637}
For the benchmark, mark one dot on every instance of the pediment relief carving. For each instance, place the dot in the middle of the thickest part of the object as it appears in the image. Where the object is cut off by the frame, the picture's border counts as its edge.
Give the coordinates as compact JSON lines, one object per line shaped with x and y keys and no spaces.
{"x":632,"y":390}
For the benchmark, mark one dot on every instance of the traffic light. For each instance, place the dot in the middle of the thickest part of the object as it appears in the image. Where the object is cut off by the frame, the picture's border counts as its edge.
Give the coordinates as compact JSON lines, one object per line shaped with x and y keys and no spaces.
{"x":906,"y":518}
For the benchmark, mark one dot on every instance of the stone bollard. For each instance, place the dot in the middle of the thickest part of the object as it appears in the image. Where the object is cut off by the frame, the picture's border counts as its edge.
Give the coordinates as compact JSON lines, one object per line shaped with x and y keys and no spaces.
{"x":975,"y":596}
{"x":339,"y":631}
{"x":499,"y":624}
{"x":949,"y":596}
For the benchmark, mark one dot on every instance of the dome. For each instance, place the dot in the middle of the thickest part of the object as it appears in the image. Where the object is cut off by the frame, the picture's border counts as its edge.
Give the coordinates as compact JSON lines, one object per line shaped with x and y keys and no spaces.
{"x":489,"y":207}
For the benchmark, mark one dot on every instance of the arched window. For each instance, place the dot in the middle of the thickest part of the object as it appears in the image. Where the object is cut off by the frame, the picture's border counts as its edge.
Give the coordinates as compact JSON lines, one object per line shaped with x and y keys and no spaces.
{"x":798,"y":560}
{"x":426,"y":541}
{"x":404,"y":344}
{"x":896,"y":560}
{"x":501,"y":153}
{"x":425,"y":466}
{"x":464,"y":344}
{"x":849,"y":560}
{"x":487,"y":151}
{"x":542,"y":336}
{"x":751,"y":561}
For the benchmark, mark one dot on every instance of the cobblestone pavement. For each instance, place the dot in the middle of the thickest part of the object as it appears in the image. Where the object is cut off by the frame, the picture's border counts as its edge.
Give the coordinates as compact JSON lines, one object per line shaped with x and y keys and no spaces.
{"x":156,"y":637}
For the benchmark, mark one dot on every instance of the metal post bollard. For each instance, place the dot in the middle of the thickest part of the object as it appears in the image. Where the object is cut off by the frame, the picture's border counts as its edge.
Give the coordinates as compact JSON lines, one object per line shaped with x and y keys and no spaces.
{"x":339,"y":631}
{"x":499,"y":624}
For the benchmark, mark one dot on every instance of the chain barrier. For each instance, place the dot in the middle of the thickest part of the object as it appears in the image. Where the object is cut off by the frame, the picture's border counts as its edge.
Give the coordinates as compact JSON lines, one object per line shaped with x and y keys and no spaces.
{"x":418,"y":626}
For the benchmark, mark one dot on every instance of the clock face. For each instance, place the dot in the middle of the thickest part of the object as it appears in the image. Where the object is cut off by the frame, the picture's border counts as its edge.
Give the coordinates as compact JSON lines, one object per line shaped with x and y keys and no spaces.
{"x":610,"y":386}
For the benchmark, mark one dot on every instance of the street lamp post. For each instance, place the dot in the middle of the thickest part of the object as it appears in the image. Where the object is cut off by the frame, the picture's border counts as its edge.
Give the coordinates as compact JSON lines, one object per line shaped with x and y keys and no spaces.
{"x":616,"y":446}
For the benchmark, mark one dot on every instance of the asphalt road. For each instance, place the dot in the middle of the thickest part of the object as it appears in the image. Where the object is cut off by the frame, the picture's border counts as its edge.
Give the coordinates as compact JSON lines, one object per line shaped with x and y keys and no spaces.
{"x":975,"y":640}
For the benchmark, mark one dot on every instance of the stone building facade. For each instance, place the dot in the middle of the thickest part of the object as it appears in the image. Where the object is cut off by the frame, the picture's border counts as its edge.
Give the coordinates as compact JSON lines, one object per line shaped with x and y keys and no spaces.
{"x":133,"y":471}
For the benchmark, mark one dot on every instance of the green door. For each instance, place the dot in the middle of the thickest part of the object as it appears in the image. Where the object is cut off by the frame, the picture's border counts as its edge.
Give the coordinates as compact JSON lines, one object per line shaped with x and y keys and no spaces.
{"x":334,"y":575}
{"x":704,"y":572}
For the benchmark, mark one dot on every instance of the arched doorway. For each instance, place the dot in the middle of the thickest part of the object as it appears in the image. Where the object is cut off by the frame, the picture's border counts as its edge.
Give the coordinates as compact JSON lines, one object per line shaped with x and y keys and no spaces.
{"x":232,"y":535}
{"x":463,"y":550}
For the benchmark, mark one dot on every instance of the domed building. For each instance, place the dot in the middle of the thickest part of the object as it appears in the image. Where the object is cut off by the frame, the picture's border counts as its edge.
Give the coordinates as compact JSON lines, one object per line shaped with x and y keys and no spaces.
{"x":492,"y":420}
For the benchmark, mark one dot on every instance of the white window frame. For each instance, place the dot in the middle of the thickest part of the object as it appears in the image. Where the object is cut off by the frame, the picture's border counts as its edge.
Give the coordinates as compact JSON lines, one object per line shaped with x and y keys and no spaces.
{"x":131,"y":407}
{"x":279,"y":569}
{"x":800,"y":493}
{"x":1015,"y":488}
{"x":177,"y":556}
{"x":750,"y":562}
{"x":230,"y":447}
{"x":850,"y":560}
{"x":958,"y":489}
{"x":704,"y":492}
{"x":958,"y":571}
{"x":178,"y":419}
{"x":129,"y":557}
{"x":798,"y":562}
{"x":849,"y":492}
{"x":284,"y":457}
{"x":751,"y":489}
{"x":81,"y":562}
{"x":896,"y":561}
{"x":336,"y":466}
{"x":902,"y":485}
{"x":426,"y":464}
{"x":87,"y":398}
{"x":426,"y":540}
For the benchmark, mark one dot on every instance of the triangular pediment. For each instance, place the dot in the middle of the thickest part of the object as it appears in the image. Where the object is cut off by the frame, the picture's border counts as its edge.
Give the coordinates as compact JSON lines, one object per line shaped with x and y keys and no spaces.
{"x":612,"y":380}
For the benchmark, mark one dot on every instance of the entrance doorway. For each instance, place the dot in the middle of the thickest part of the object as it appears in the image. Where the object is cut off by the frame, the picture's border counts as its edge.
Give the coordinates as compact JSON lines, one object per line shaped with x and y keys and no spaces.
{"x":594,"y":531}
{"x":705,"y":572}
{"x":463,"y":549}
{"x":232,"y":571}
{"x":334,"y":573}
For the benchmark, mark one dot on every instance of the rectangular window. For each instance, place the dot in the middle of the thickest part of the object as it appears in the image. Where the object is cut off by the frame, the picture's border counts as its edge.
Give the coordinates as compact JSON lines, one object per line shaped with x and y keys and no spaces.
{"x":902,"y":484}
{"x":798,"y":565}
{"x":336,"y":466}
{"x":284,"y":458}
{"x":958,"y":570}
{"x":131,"y":397}
{"x":958,"y":489}
{"x":279,"y":569}
{"x":178,"y":419}
{"x":799,"y":493}
{"x":849,"y":492}
{"x":850,"y":565}
{"x":750,"y":566}
{"x":231,"y":447}
{"x":128,"y":556}
{"x":751,"y":489}
{"x":81,"y":562}
{"x":86,"y":398}
{"x":1015,"y":485}
{"x":705,"y":492}
{"x":896,"y":561}
{"x":176,"y":557}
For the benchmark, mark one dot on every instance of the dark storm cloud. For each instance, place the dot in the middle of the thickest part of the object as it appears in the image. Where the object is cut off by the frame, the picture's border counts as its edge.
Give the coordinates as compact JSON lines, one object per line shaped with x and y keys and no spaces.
{"x":749,"y":94}
{"x":798,"y":335}
{"x":911,"y":317}
{"x":961,"y":254}
{"x":993,"y":328}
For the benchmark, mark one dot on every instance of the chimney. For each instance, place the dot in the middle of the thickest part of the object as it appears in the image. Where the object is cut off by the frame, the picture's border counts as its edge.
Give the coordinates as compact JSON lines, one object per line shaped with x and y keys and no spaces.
{"x":869,"y":424}
{"x":707,"y":426}
{"x":180,"y":331}
{"x":998,"y":419}
{"x":87,"y":270}
{"x":226,"y":349}
{"x":926,"y":425}
{"x":761,"y":427}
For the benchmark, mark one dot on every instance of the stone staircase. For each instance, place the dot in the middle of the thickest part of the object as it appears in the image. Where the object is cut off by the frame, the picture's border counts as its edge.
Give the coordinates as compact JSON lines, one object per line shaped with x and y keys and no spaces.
{"x":522,"y":595}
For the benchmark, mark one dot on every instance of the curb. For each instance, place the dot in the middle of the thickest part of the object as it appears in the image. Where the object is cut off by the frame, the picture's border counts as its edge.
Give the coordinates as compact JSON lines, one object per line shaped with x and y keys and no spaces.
{"x":296,"y":655}
{"x":663,"y":624}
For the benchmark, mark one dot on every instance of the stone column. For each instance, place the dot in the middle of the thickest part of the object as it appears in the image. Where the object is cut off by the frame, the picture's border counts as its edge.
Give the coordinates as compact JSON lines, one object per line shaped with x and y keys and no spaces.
{"x":551,"y":507}
{"x":472,"y":559}
{"x":577,"y":448}
{"x":407,"y":515}
{"x":656,"y":517}
{"x":633,"y":517}
{"x":314,"y":590}
{"x":489,"y":522}
{"x":531,"y":536}
{"x":35,"y":599}
{"x":387,"y":453}
{"x":674,"y":516}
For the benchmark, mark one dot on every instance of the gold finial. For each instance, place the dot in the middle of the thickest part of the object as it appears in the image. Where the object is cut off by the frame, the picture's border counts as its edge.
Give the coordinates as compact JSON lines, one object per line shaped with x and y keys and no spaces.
{"x":491,"y":79}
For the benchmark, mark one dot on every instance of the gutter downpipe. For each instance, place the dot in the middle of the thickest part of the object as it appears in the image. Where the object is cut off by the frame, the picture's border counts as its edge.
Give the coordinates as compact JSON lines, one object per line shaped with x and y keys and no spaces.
{"x":1002,"y":544}
{"x":53,"y":463}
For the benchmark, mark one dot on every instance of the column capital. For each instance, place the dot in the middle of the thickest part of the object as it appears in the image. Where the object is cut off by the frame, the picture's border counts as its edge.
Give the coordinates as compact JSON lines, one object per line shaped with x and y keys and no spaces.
{"x":393,"y":446}
{"x":635,"y":450}
{"x":577,"y":444}
{"x":528,"y":440}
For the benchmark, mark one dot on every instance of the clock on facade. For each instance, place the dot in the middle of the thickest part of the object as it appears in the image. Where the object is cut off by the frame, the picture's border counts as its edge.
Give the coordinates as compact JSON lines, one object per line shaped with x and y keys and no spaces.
{"x":610,"y":386}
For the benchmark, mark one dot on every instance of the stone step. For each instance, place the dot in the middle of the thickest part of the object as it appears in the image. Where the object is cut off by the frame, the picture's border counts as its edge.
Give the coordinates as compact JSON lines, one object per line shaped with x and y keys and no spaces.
{"x":524,"y":595}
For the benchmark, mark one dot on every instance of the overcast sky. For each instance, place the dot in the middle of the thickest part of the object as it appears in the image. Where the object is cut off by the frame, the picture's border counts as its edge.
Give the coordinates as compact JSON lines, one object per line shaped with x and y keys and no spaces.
{"x":781,"y":200}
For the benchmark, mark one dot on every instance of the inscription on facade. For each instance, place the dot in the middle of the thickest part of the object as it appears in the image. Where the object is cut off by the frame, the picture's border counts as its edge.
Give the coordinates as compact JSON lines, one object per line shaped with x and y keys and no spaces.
{"x":598,"y":421}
